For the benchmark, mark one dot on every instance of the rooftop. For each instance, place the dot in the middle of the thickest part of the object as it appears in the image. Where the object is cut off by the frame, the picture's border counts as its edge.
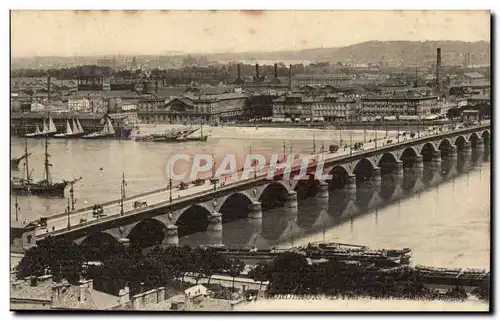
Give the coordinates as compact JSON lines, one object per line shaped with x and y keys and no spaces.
{"x":474,"y":75}
{"x":319,"y":76}
{"x":74,"y":297}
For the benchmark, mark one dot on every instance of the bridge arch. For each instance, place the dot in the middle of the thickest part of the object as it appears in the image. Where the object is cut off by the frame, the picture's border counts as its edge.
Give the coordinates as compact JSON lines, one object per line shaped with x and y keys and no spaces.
{"x":98,"y":246}
{"x":387,"y":163}
{"x":193,"y":220}
{"x":473,"y":137}
{"x":147,"y":233}
{"x":445,"y":147}
{"x":306,"y":187}
{"x":235,"y":207}
{"x":408,"y":157}
{"x":340,"y":176}
{"x":460,"y":142}
{"x":274,"y":194}
{"x":486,"y":135}
{"x":363,"y":170}
{"x":427,"y":151}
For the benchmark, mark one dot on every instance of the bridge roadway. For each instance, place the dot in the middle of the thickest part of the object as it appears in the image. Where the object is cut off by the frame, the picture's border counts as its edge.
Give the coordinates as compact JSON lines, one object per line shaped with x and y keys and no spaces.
{"x":160,"y":198}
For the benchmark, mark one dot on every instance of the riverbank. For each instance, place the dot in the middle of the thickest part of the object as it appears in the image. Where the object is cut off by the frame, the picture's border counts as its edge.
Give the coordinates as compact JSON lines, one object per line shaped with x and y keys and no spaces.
{"x":267,"y":133}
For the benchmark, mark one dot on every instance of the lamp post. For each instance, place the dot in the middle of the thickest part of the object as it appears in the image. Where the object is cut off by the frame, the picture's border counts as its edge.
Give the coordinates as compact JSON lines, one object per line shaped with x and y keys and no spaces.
{"x":122,"y":198}
{"x":398,"y":124}
{"x":17,"y":209}
{"x":284,"y":151}
{"x":68,"y":212}
{"x":340,"y":130}
{"x":72,"y":195}
{"x":170,"y":189}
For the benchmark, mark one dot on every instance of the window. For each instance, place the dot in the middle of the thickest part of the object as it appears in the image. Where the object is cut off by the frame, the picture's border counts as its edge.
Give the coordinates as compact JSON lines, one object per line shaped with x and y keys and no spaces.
{"x":29,"y":238}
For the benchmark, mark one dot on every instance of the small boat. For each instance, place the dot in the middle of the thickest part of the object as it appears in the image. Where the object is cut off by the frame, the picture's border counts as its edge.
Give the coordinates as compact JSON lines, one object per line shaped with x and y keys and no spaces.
{"x":71,"y":131}
{"x":36,"y":133}
{"x":77,"y":127}
{"x":49,"y":130}
{"x":68,"y":132}
{"x":107,"y":132}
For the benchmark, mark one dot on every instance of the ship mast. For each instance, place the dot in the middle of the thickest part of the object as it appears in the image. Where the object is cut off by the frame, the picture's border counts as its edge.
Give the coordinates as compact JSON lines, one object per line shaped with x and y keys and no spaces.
{"x":28,"y":179}
{"x":47,"y":164}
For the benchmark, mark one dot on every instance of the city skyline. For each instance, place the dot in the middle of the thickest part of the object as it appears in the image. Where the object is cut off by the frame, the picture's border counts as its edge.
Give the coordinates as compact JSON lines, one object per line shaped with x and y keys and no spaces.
{"x":86,"y":33}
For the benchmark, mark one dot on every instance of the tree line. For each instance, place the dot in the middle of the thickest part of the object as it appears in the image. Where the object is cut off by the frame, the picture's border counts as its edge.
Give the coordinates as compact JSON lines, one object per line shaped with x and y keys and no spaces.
{"x":291,"y":273}
{"x":116,"y":266}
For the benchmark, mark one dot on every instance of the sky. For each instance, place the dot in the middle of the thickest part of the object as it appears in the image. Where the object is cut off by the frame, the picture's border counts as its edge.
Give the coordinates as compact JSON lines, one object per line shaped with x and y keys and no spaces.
{"x":69,"y":33}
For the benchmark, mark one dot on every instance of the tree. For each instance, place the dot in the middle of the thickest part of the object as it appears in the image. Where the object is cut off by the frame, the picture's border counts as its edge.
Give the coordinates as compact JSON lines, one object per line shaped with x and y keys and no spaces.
{"x":234,"y":268}
{"x":288,"y":272}
{"x":261,"y":273}
{"x":206,"y":262}
{"x":57,"y":255}
{"x":454,"y":113}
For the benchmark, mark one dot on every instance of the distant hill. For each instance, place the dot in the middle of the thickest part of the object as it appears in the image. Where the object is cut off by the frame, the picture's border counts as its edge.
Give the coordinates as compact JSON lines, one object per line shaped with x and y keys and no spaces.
{"x":392,"y":52}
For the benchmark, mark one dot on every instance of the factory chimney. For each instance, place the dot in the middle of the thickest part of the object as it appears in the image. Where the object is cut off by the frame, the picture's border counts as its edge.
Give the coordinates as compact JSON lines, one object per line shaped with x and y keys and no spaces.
{"x":275,"y":71}
{"x":257,"y":77}
{"x":48,"y":88}
{"x":238,"y":80}
{"x":438,"y":67}
{"x":290,"y":77}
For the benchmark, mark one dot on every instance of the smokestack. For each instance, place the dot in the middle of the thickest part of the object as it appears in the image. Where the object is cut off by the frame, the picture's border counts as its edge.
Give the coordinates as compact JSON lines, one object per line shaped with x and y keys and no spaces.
{"x":48,"y":88}
{"x":156,"y":85}
{"x":239,"y":71}
{"x":257,"y":77}
{"x":276,"y":71}
{"x":290,"y":77}
{"x":468,"y":58}
{"x":438,"y":67}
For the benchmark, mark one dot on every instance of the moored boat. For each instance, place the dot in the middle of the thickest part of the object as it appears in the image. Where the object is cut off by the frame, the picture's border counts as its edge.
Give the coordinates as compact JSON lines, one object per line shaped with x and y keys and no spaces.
{"x":45,"y":187}
{"x":107,"y":132}
{"x":47,"y":131}
{"x":72,"y":131}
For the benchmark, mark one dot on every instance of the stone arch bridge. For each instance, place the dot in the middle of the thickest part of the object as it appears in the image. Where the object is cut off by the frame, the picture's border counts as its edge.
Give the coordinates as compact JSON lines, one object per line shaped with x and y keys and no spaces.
{"x":208,"y":211}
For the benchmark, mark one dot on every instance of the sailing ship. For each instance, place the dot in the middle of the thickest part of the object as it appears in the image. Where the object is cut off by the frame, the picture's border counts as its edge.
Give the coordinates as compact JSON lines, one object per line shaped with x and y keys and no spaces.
{"x":45,"y":187}
{"x":174,"y":136}
{"x":201,"y":138}
{"x":107,"y":132}
{"x":49,"y":130}
{"x":72,"y":131}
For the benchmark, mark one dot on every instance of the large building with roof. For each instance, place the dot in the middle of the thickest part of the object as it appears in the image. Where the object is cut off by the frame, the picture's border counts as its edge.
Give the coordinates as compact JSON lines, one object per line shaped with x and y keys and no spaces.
{"x":193,"y":108}
{"x":329,"y":108}
{"x":398,"y":105}
{"x":333,"y":79}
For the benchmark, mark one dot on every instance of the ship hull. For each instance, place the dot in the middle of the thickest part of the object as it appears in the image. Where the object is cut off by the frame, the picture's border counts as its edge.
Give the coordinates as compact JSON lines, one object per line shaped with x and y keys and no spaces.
{"x":171,"y":139}
{"x":56,"y":189}
{"x":99,"y":137}
{"x":69,"y":136}
{"x":40,"y":135}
